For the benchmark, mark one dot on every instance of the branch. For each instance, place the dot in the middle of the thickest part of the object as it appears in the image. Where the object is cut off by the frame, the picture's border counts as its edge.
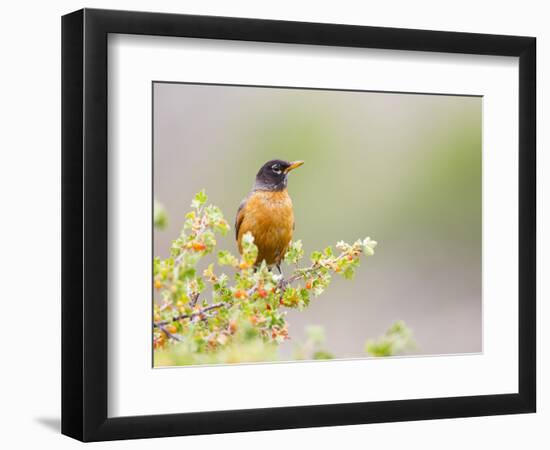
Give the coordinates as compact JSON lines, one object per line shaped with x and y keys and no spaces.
{"x":197,"y":231}
{"x":174,"y":336}
{"x":283,"y":284}
{"x":204,"y":310}
{"x":302,"y":273}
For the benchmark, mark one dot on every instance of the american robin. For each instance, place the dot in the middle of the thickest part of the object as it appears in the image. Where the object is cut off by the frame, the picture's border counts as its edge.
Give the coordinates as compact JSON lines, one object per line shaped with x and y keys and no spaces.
{"x":267,"y":212}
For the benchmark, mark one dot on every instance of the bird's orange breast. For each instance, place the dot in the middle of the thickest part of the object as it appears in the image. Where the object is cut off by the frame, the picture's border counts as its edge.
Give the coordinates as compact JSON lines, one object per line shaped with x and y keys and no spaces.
{"x":269,"y":217}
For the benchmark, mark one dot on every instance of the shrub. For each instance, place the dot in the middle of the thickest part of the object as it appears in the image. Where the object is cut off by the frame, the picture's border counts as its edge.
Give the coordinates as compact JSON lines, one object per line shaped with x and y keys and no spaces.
{"x":244,"y":319}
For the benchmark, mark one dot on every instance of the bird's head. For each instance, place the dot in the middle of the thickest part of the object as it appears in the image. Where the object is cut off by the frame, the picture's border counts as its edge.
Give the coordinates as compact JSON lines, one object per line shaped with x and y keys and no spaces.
{"x":272,"y":176}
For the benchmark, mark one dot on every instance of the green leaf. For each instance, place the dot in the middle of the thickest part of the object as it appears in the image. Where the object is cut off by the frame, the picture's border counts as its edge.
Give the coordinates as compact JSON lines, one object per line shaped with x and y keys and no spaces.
{"x":160,"y":217}
{"x":316,"y":256}
{"x":397,"y":339}
{"x":322,"y":354}
{"x":200,"y":284}
{"x":304,"y":294}
{"x":249,"y":249}
{"x":349,"y":272}
{"x":294,"y":253}
{"x":291,"y":298}
{"x":225,"y":258}
{"x":199,"y":200}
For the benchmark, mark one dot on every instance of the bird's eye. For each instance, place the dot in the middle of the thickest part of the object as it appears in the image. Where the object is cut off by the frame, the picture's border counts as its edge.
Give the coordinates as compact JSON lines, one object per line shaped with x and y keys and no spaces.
{"x":276,"y":168}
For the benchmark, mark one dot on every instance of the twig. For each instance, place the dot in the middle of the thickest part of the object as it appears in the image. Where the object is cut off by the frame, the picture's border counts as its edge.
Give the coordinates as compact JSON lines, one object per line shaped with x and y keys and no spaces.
{"x":194,"y":299}
{"x":252,"y":290}
{"x":302,"y":273}
{"x":198,"y":232}
{"x":174,"y":336}
{"x":190,"y":316}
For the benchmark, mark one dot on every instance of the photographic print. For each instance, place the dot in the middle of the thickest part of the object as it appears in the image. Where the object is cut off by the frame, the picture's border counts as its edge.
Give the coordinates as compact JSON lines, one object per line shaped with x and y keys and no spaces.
{"x":299,"y":224}
{"x":335,"y":222}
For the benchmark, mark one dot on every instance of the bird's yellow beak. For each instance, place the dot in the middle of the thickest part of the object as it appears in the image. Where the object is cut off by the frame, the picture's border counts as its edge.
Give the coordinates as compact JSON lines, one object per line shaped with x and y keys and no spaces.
{"x":293,"y":165}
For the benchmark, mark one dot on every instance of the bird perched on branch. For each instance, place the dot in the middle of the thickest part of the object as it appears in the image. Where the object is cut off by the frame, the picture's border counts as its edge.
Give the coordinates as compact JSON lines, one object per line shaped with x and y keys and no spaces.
{"x":267,"y":212}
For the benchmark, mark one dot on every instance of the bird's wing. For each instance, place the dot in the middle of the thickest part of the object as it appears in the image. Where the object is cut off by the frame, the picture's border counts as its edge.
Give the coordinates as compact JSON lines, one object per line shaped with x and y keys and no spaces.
{"x":240,"y":217}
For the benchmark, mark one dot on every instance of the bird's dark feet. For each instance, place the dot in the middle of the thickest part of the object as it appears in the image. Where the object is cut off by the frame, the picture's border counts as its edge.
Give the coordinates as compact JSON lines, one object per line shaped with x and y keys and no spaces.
{"x":282,"y":282}
{"x":282,"y":285}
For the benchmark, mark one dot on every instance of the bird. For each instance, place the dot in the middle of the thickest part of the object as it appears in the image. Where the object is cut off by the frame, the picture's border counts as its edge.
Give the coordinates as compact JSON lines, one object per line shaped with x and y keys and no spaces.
{"x":267,"y":213}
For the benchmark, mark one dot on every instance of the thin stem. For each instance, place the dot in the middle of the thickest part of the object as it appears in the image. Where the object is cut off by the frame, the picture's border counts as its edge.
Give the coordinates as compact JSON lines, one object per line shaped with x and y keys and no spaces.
{"x":174,"y":336}
{"x":194,"y":299}
{"x":190,"y":316}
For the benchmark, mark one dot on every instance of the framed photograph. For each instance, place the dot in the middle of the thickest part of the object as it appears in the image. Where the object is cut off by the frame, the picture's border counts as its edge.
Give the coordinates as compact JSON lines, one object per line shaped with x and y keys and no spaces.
{"x":272,"y":224}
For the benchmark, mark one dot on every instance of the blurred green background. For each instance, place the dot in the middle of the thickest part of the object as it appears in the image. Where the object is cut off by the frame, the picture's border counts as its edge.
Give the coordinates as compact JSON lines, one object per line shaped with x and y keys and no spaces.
{"x":404,"y":169}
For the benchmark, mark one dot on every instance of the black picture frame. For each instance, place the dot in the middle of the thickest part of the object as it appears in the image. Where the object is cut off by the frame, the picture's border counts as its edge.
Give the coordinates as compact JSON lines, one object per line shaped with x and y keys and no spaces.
{"x":84,"y":224}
